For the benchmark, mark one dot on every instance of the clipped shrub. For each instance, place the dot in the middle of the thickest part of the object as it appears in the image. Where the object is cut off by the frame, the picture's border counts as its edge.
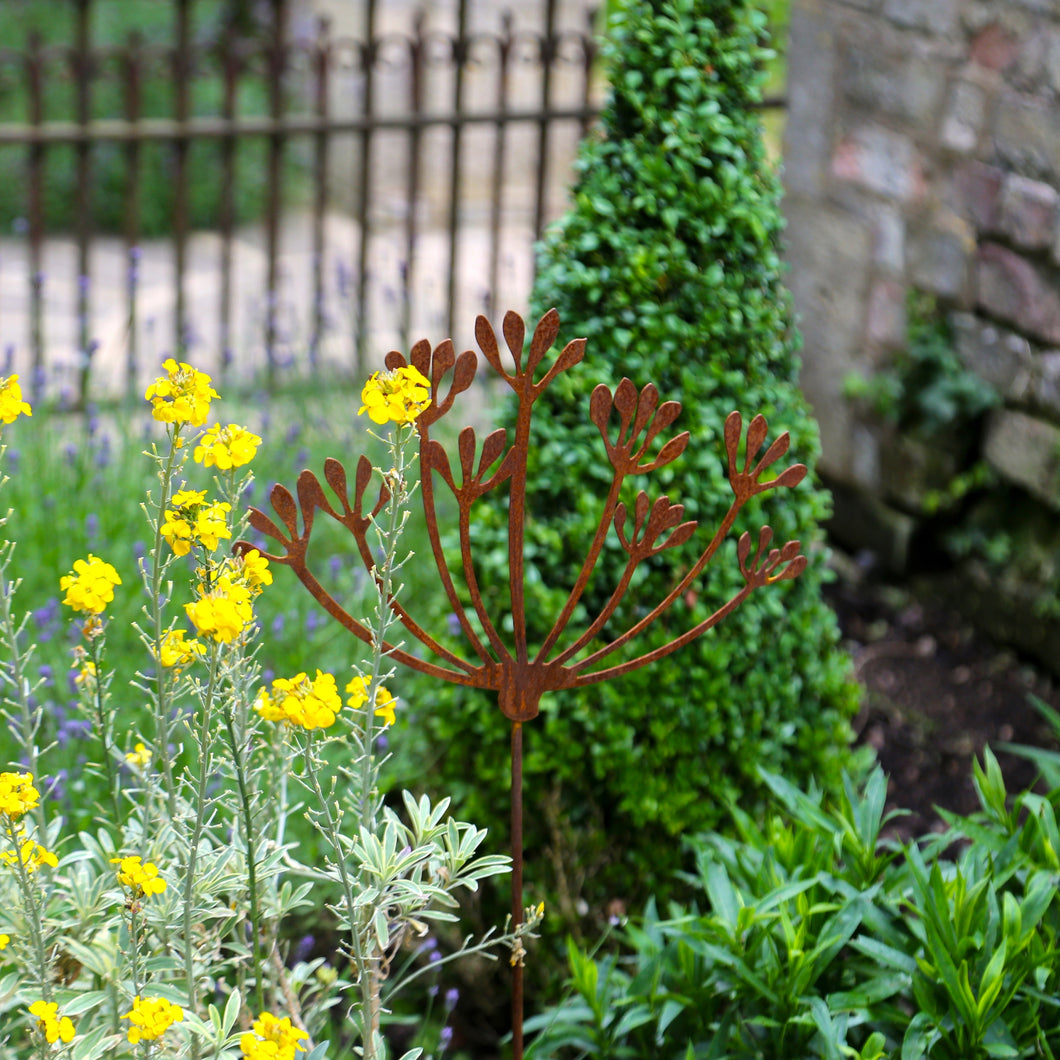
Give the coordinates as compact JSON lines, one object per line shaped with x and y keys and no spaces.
{"x":668,"y":262}
{"x":810,"y":937}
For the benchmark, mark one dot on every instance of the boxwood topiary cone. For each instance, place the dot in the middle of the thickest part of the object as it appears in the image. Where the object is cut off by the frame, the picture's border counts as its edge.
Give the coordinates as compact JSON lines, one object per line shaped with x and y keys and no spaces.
{"x":668,"y":264}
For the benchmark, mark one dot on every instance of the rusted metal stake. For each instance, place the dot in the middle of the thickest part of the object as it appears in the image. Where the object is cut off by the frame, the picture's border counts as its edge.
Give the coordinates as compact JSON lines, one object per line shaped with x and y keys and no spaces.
{"x":564,"y":660}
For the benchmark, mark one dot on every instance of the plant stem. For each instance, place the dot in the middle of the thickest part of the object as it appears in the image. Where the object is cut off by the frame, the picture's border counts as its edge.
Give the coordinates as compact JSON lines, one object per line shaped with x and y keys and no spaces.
{"x":248,"y":830}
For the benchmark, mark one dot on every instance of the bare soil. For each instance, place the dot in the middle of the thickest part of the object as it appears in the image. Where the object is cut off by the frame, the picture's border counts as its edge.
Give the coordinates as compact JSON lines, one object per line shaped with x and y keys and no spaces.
{"x":936,"y":694}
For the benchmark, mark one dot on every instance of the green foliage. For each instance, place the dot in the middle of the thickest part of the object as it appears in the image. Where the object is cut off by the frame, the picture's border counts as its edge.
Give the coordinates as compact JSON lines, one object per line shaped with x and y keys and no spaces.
{"x":110,"y":25}
{"x":927,"y":391}
{"x":668,"y":262}
{"x":810,"y":937}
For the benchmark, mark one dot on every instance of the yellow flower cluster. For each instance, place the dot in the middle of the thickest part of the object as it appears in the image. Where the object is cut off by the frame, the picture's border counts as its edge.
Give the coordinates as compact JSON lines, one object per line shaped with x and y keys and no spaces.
{"x":398,"y":396}
{"x":31,"y":855}
{"x":151,"y":1017}
{"x":175,"y":651}
{"x":385,"y":703}
{"x":90,"y":585}
{"x":226,"y":447}
{"x":191,"y":521}
{"x":51,"y":1023}
{"x":4,"y":940}
{"x":224,"y":608}
{"x":87,"y":678}
{"x":17,"y":795}
{"x":182,"y":395}
{"x":140,"y":878}
{"x":272,"y":1038}
{"x":140,"y":756}
{"x":11,"y":404}
{"x":311,"y":704}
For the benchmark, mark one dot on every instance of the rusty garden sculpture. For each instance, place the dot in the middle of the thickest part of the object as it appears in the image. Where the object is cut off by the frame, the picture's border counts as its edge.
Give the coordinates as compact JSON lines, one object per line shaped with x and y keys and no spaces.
{"x":522,"y":673}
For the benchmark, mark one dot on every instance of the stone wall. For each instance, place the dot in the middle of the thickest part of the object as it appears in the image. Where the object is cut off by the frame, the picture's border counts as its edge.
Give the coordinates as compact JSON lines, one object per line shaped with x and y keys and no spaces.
{"x":922,"y":153}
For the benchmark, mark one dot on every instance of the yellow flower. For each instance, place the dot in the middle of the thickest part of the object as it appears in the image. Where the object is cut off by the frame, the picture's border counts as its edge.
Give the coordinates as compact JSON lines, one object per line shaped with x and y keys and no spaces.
{"x":311,"y":704}
{"x":31,"y":855}
{"x":139,"y":756}
{"x":87,"y":677}
{"x":182,"y":395}
{"x":11,"y":404}
{"x":399,"y":396}
{"x":141,"y":879}
{"x":90,"y":585}
{"x":253,"y":568}
{"x":271,"y":1038}
{"x":192,"y":521}
{"x":151,"y":1017}
{"x":223,"y":611}
{"x":4,"y":940}
{"x":17,"y":794}
{"x":227,"y":447}
{"x":385,"y":703}
{"x":176,"y":651}
{"x":51,"y":1023}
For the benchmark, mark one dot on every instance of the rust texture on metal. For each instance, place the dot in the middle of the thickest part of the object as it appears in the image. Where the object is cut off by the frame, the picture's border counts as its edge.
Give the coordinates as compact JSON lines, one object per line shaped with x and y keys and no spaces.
{"x":634,"y":426}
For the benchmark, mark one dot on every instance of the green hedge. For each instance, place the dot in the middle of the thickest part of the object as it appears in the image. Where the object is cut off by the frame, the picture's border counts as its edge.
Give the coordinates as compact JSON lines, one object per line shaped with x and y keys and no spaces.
{"x":668,"y":262}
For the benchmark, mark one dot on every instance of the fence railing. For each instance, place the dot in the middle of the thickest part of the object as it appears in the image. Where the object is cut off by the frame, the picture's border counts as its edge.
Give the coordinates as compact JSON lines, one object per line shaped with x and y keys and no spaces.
{"x":401,"y":179}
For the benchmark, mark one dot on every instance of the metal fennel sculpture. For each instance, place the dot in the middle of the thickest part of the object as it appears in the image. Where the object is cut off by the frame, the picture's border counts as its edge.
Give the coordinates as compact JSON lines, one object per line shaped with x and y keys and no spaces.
{"x":521,"y":676}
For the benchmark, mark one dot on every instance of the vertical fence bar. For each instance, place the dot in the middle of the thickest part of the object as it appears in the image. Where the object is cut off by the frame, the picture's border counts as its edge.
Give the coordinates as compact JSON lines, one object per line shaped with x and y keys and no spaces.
{"x":83,"y":72}
{"x":321,"y":142}
{"x":500,"y":138}
{"x":133,"y":73}
{"x":460,"y":54}
{"x":417,"y":53}
{"x":275,"y":66}
{"x":548,"y":58}
{"x":230,"y":61}
{"x":35,"y":102}
{"x":182,"y":74}
{"x":589,"y":50}
{"x":368,"y":53}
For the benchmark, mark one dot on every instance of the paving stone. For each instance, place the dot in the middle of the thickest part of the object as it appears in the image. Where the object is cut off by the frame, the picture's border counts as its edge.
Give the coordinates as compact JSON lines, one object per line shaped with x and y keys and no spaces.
{"x":1028,"y":211}
{"x":1025,"y":450}
{"x":1011,"y":288}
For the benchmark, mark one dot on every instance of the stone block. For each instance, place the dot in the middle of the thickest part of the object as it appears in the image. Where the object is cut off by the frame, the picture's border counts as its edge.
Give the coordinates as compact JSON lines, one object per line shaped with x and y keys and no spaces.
{"x":977,"y":194}
{"x":891,"y":81}
{"x":994,"y":48}
{"x":1027,"y":134}
{"x":888,"y":237}
{"x":1025,"y":450}
{"x":1028,"y":211}
{"x":964,"y":118}
{"x":885,"y":326}
{"x":1044,"y":384}
{"x":880,"y":160}
{"x":941,"y":255}
{"x":1000,"y":357}
{"x":932,"y":16}
{"x":1011,"y":288}
{"x":1052,"y":59}
{"x":811,"y":79}
{"x":829,"y":253}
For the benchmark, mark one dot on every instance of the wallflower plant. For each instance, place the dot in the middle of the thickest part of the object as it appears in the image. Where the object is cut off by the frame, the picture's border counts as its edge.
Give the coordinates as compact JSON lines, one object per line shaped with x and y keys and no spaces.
{"x":158,"y":933}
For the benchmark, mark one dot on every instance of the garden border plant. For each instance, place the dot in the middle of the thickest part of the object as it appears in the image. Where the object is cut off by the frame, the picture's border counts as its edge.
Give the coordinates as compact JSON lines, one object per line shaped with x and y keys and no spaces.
{"x":112,"y":955}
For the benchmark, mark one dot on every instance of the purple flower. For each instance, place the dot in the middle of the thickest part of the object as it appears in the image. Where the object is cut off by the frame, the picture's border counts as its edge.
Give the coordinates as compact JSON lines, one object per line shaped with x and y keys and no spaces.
{"x":304,"y":948}
{"x":91,"y":527}
{"x":73,"y":729}
{"x":312,"y":623}
{"x":445,"y":1039}
{"x":452,"y":996}
{"x":277,"y":626}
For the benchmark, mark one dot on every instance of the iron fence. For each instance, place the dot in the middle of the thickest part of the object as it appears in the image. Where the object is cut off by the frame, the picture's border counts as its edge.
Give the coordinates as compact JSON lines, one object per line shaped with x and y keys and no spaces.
{"x":401,"y":175}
